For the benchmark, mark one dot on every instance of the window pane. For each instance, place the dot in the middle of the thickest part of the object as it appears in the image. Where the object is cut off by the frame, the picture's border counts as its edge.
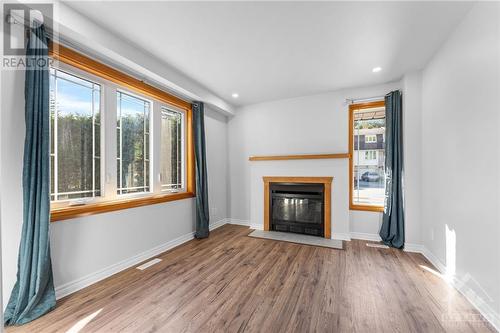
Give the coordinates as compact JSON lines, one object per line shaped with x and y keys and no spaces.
{"x":52,"y":176}
{"x":171,"y":150}
{"x":74,"y":105}
{"x":369,"y":157}
{"x":97,"y":176}
{"x":133,"y":148}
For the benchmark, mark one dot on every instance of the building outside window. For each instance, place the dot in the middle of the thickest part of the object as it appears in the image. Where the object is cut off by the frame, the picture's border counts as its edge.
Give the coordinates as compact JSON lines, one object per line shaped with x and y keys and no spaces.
{"x":370,"y":138}
{"x":368,"y":157}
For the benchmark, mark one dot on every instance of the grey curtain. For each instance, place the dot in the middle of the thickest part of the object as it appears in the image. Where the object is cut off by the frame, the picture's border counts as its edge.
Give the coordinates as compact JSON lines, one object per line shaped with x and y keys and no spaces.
{"x":392,"y":231}
{"x":202,"y":213}
{"x":33,"y":294}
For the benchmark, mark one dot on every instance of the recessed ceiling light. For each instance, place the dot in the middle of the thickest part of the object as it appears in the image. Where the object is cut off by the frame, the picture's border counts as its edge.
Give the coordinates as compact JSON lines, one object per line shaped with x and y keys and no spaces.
{"x":376,"y":69}
{"x":235,"y":95}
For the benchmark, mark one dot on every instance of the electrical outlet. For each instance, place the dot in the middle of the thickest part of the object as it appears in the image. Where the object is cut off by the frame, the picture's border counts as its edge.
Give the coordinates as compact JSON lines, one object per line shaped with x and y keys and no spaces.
{"x":432,"y":234}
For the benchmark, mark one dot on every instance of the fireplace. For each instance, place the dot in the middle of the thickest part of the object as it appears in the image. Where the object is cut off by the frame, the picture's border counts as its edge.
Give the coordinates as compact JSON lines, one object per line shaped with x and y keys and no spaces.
{"x":298,"y":204}
{"x":297,"y":208}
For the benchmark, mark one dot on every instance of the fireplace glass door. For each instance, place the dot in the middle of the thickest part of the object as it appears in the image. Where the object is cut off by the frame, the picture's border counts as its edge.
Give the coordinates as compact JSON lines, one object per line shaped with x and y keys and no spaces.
{"x":301,"y":210}
{"x":297,"y":208}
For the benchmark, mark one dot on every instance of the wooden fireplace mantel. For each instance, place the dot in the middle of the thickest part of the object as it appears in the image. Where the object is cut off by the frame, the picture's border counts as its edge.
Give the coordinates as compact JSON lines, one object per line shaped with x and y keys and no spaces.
{"x":326,"y":181}
{"x":298,"y":157}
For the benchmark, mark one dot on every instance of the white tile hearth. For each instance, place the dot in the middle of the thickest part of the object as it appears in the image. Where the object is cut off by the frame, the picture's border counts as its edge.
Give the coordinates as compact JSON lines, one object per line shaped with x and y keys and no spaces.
{"x":299,"y":239}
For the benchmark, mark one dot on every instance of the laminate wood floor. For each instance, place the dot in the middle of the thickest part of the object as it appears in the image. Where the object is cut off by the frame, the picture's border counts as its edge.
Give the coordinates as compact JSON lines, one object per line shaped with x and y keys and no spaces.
{"x":234,"y":283}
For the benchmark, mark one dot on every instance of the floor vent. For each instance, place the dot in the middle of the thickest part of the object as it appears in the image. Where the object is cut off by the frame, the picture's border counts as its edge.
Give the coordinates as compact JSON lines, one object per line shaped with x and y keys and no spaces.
{"x":380,"y":246}
{"x":148,"y":264}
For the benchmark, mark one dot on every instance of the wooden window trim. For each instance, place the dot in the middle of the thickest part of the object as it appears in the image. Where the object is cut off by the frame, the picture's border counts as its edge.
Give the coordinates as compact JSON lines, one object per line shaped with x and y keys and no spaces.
{"x":68,"y":56}
{"x":65,"y":213}
{"x":297,"y":157}
{"x":352,"y":108}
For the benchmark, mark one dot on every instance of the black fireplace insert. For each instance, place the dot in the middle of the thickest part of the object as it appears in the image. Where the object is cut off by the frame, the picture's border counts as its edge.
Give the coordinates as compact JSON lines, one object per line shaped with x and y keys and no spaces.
{"x":297,"y":208}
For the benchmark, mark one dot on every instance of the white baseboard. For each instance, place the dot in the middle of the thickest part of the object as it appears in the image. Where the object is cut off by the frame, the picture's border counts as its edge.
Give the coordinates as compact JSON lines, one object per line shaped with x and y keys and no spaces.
{"x":487,"y":311}
{"x":433,"y":260}
{"x":341,"y":236}
{"x":219,"y":224}
{"x":257,"y":226}
{"x":240,"y":222}
{"x":483,"y":307}
{"x":409,"y":247}
{"x":365,"y":236}
{"x":75,"y":285}
{"x":416,"y":248}
{"x":247,"y":223}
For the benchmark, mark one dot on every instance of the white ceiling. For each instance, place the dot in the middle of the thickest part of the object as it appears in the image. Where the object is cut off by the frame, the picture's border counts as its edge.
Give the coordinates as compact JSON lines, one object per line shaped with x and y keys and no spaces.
{"x":273,"y":50}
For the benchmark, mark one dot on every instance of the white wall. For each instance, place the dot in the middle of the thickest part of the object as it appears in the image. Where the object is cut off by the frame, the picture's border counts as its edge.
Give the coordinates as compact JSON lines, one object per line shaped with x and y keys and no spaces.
{"x":412,"y":159}
{"x":12,"y":132}
{"x":217,"y":164}
{"x":364,"y":224}
{"x":461,"y":152}
{"x":305,"y":125}
{"x":84,"y":246}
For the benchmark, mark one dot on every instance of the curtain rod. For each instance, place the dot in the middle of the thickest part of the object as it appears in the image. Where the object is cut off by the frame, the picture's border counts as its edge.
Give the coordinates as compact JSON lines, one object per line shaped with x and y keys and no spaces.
{"x":16,"y":19}
{"x":366,"y":99}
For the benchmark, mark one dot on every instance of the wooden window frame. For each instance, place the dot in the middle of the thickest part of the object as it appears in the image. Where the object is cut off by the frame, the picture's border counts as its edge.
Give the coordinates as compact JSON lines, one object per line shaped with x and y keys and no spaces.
{"x":352,"y":108}
{"x":70,"y":57}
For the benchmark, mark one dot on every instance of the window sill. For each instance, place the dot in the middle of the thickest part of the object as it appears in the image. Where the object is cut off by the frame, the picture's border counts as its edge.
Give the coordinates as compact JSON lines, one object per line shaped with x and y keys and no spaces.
{"x":367,"y":208}
{"x":65,"y":213}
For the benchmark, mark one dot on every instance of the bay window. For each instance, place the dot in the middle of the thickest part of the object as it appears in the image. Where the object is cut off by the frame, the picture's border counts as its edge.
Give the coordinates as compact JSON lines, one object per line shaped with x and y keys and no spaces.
{"x":116,"y":142}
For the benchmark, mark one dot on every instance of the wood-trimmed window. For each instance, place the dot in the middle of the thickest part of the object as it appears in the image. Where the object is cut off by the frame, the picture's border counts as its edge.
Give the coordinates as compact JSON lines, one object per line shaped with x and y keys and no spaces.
{"x":151,"y":173}
{"x":367,"y":156}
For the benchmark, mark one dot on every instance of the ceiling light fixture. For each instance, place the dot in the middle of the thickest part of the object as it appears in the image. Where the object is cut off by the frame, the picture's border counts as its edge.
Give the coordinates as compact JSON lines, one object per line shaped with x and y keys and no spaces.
{"x":235,"y":95}
{"x":376,"y":69}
